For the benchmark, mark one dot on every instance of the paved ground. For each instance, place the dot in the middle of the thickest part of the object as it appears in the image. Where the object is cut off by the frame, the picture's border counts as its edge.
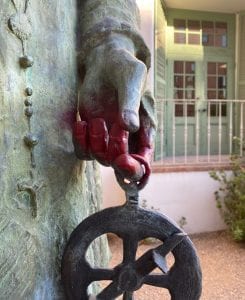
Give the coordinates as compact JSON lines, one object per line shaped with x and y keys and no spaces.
{"x":223,"y":266}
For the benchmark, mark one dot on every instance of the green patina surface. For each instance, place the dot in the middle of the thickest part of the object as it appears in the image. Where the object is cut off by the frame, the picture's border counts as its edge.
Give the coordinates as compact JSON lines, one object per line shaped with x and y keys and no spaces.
{"x":40,"y":207}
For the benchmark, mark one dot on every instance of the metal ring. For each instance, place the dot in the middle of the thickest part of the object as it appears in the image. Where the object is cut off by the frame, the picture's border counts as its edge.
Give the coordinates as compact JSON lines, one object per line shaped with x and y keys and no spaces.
{"x":132,"y":186}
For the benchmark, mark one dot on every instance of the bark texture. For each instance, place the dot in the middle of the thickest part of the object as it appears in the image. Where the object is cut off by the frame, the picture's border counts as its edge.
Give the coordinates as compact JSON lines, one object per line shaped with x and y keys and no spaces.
{"x":39,"y":206}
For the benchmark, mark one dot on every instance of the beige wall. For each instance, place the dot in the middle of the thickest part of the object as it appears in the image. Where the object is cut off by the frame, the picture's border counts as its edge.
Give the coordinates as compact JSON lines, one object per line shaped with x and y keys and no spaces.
{"x":189,"y":195}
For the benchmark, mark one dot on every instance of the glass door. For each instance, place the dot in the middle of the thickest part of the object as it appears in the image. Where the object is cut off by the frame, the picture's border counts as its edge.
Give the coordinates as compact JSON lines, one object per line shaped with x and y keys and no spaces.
{"x":184,"y":106}
{"x":196,"y":117}
{"x":217,"y":110}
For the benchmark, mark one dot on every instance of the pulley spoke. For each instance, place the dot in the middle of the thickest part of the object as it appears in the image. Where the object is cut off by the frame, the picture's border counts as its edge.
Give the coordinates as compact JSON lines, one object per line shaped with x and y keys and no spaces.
{"x":170,"y":243}
{"x":101,"y":274}
{"x":130,"y":246}
{"x":160,"y":262}
{"x":151,"y":259}
{"x":110,"y":292}
{"x":128,"y":296}
{"x":145,"y":264}
{"x":156,"y":280}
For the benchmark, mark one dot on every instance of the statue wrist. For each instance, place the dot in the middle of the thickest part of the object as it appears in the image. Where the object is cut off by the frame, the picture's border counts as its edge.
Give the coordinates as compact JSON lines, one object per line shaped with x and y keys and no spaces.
{"x":99,"y":33}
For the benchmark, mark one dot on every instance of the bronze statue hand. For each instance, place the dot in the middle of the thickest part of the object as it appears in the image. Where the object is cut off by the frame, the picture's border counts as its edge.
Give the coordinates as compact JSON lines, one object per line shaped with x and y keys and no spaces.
{"x":116,"y":127}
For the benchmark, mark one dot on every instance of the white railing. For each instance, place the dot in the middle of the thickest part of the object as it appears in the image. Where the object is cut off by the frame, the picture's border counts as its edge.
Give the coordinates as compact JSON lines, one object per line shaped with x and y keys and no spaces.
{"x":198,"y":131}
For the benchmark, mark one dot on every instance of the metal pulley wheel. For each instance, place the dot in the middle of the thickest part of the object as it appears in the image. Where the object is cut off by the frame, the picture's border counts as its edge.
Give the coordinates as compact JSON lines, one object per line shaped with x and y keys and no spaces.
{"x":132,"y":224}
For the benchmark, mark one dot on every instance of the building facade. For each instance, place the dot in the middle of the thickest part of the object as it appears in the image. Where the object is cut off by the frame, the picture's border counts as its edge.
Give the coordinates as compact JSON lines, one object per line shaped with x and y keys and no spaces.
{"x":199,"y":74}
{"x":198,"y":80}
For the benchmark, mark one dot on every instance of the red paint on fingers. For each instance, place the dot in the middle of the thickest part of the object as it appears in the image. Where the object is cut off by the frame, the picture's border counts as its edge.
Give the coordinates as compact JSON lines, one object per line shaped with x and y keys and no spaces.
{"x":118,"y":142}
{"x":80,"y":140}
{"x":98,"y":140}
{"x":128,"y":167}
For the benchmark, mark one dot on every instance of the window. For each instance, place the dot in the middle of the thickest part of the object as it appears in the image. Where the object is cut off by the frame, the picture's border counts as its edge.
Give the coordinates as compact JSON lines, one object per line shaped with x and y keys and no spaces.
{"x":179,"y":31}
{"x":184,"y":87}
{"x":187,"y":32}
{"x":193,"y":32}
{"x":214,"y":34}
{"x":217,"y":87}
{"x":206,"y":33}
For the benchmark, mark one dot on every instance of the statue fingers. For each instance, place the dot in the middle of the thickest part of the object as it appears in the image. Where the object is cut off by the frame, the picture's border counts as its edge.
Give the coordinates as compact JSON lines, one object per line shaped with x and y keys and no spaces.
{"x":80,"y":140}
{"x":142,"y":142}
{"x":118,"y":142}
{"x":128,"y":75}
{"x":145,"y":138}
{"x":98,"y":140}
{"x":118,"y":154}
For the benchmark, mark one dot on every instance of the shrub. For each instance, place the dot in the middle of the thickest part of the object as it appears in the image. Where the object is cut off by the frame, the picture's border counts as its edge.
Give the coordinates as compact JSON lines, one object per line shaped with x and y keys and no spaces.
{"x":230,"y":197}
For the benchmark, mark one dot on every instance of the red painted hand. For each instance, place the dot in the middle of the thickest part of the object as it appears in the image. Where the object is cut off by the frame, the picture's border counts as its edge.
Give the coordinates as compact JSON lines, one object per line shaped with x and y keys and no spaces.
{"x":115,"y":127}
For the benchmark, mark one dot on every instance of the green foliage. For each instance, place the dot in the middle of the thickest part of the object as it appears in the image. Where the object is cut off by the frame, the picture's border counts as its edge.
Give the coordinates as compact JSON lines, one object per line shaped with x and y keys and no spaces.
{"x":230,"y":197}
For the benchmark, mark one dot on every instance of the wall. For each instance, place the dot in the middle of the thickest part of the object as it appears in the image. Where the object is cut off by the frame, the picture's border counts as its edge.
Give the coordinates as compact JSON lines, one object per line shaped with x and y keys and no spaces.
{"x":113,"y":195}
{"x":147,"y":29}
{"x":189,"y":195}
{"x":160,"y":74}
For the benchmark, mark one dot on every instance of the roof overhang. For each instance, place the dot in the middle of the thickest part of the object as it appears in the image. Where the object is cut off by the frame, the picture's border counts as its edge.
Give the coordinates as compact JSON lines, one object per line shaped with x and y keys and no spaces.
{"x":222,"y":6}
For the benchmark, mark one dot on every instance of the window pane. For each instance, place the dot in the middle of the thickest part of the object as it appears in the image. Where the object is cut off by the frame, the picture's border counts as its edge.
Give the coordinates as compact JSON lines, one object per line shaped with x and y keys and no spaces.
{"x":179,"y":111}
{"x":190,"y":82}
{"x":213,"y":110}
{"x":189,"y":67}
{"x":189,"y":94}
{"x":212,"y":95}
{"x":221,"y":41}
{"x":178,"y":67}
{"x":207,"y":39}
{"x":220,"y":34}
{"x":211,"y":68}
{"x":191,"y":110}
{"x":193,"y":39}
{"x":184,"y":83}
{"x":221,"y":82}
{"x":178,"y":94}
{"x":223,"y":110}
{"x":179,"y":24}
{"x":222,"y":94}
{"x":194,"y":25}
{"x":208,"y":27}
{"x":207,"y":33}
{"x":212,"y":82}
{"x":222,"y":68}
{"x":178,"y":81}
{"x":221,"y":28}
{"x":179,"y":38}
